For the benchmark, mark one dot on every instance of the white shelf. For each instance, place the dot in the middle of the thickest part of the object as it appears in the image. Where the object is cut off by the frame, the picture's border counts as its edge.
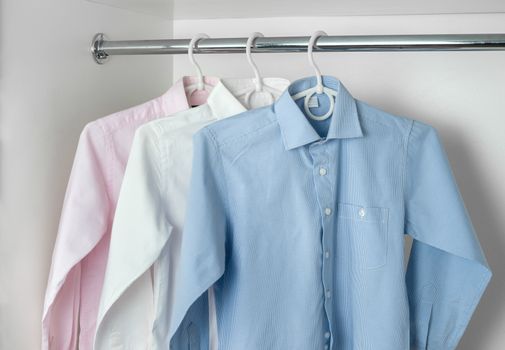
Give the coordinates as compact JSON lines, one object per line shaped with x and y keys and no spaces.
{"x":200,"y":9}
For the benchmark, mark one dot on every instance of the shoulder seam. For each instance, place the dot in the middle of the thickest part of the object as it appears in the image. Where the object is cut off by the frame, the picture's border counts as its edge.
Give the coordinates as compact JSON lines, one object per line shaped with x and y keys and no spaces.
{"x":376,"y":121}
{"x":162,"y":156}
{"x":109,"y":151}
{"x":235,"y":138}
{"x":393,"y":116}
{"x":405,"y":167}
{"x":220,"y":156}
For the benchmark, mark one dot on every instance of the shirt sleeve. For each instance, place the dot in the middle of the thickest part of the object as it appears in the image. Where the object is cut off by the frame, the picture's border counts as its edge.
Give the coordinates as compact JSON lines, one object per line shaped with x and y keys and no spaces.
{"x":84,"y":221}
{"x":204,"y":236}
{"x":139,"y":233}
{"x":447,"y":272}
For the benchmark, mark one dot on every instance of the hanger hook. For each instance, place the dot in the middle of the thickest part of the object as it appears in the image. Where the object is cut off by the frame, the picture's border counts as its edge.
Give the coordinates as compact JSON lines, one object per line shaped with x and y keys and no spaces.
{"x":191,"y":47}
{"x":310,"y":48}
{"x":249,"y":45}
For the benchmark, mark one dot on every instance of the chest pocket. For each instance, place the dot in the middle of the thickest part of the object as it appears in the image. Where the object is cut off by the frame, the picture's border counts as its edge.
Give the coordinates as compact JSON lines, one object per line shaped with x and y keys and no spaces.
{"x":367,"y":232}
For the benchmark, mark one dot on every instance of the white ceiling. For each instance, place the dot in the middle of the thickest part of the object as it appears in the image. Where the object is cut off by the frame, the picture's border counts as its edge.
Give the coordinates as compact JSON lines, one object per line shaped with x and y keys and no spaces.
{"x":161,"y":8}
{"x":198,"y":9}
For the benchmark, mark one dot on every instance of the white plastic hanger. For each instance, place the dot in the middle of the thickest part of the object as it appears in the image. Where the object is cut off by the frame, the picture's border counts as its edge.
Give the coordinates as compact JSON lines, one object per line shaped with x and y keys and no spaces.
{"x":260,"y":87}
{"x":319,"y":88}
{"x":200,"y":85}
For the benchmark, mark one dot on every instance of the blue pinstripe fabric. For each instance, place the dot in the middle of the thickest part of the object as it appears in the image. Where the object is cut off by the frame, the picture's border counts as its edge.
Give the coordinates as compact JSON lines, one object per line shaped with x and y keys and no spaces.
{"x":300,"y":225}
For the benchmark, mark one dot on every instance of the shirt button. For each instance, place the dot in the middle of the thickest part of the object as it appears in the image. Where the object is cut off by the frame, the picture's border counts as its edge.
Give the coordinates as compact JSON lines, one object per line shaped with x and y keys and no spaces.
{"x":322,"y":171}
{"x":327,"y":335}
{"x":328,"y":293}
{"x":361,"y":212}
{"x":327,"y":211}
{"x":327,"y":254}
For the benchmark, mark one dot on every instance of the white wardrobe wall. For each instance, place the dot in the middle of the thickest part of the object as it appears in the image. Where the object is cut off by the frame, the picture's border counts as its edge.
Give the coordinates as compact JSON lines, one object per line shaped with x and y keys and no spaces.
{"x":49,"y":89}
{"x":462,"y":94}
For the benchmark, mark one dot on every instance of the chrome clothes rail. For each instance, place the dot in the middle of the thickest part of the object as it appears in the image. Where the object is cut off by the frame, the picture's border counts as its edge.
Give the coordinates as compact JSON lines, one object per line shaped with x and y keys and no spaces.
{"x":102,"y":48}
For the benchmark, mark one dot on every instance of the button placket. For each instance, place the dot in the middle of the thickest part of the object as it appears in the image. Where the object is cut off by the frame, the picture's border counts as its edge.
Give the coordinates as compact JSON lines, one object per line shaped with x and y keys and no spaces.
{"x":326,"y":200}
{"x":327,"y":336}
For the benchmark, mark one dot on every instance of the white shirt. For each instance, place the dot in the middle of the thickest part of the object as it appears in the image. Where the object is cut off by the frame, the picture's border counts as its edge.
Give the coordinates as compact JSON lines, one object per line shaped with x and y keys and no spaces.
{"x":146,"y":232}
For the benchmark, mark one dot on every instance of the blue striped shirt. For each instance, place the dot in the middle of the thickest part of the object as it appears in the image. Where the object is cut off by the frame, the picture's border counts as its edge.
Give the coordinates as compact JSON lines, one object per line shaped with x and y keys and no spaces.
{"x":299,"y":224}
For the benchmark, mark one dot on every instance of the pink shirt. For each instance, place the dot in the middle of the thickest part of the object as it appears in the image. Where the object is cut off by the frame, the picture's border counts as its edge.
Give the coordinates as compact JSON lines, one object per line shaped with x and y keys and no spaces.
{"x":81,"y":248}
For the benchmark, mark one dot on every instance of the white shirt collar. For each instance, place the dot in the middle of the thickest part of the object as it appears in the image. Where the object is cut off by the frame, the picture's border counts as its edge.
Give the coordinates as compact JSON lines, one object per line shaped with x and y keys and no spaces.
{"x":231,"y":96}
{"x":223,"y":103}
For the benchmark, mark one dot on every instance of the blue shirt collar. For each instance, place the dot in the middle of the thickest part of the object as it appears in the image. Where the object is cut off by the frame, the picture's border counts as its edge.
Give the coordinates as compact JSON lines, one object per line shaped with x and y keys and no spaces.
{"x":296,"y":129}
